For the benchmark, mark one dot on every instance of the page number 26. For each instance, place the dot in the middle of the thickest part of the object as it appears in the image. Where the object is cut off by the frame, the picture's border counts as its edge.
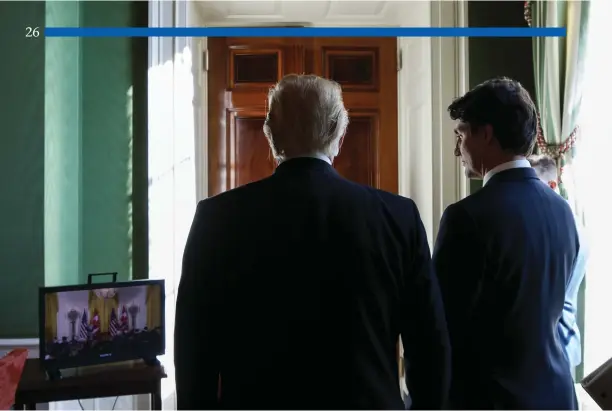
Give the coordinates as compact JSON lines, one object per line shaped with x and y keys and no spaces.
{"x":32,"y":32}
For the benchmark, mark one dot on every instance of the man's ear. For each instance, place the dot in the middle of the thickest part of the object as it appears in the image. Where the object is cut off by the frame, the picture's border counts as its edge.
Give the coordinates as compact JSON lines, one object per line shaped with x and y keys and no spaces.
{"x":341,"y":142}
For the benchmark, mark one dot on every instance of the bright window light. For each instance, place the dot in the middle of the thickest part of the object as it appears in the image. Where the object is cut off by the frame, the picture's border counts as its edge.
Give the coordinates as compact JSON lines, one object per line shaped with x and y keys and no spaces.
{"x":591,"y":170}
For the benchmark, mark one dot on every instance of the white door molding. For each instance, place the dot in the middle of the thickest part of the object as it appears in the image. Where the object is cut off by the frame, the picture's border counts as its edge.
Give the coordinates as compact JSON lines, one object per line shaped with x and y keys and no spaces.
{"x":434,"y":73}
{"x":449,"y":80}
{"x":200,"y":102}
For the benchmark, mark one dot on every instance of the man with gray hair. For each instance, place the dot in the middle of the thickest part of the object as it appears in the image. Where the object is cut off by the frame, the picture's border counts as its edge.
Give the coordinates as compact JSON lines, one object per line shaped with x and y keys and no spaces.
{"x":546,"y":170}
{"x":296,"y":288}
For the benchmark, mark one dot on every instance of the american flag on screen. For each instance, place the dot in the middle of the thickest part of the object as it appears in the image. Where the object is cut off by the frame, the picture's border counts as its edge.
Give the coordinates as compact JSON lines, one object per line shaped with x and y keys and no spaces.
{"x":84,"y":328}
{"x":125,"y":326}
{"x":114,"y":323}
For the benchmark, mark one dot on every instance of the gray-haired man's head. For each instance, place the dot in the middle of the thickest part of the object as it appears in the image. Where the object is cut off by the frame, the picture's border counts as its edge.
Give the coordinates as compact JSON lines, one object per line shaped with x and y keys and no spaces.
{"x":306,"y":116}
{"x":545,"y":168}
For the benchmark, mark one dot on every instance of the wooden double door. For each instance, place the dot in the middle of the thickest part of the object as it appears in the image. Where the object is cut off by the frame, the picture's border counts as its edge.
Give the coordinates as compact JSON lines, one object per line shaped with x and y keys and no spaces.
{"x":240,"y":74}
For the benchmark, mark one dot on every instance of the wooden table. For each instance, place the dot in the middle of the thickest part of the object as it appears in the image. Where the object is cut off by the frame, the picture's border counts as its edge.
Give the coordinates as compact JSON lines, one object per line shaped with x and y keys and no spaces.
{"x":102,"y":381}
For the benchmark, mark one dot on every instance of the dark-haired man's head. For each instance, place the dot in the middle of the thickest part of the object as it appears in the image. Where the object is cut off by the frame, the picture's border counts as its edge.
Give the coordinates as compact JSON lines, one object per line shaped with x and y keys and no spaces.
{"x":546,"y":169}
{"x":496,"y":122}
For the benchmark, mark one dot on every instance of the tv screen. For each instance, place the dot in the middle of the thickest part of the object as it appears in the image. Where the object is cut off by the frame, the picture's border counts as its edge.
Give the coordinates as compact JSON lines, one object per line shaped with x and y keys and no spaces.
{"x":99,"y":323}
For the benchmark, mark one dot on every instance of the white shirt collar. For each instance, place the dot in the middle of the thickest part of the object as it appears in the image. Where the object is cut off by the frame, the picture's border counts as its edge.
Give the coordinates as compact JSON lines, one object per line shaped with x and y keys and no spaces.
{"x":505,"y":166}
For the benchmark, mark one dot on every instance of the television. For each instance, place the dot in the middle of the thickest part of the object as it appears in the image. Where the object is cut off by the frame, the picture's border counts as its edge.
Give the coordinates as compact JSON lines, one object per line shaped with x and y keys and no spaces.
{"x":93,"y":324}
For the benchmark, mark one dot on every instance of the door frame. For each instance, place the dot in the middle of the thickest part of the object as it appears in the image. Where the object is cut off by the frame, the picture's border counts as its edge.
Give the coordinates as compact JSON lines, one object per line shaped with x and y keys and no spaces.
{"x":435,"y":72}
{"x":428,"y":171}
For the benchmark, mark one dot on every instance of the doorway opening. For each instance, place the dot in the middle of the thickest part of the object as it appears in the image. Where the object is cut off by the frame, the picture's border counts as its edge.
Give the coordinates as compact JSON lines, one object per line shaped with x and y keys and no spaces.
{"x":242,"y":70}
{"x":180,"y":120}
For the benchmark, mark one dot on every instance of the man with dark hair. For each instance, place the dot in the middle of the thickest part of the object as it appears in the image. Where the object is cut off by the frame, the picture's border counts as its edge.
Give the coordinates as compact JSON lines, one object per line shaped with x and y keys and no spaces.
{"x":502,"y":263}
{"x":546,"y":169}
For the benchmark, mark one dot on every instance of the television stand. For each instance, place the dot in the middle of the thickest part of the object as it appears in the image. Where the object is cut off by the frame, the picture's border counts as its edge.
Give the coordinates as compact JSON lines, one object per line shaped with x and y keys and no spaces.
{"x":126,"y":379}
{"x":54,"y":374}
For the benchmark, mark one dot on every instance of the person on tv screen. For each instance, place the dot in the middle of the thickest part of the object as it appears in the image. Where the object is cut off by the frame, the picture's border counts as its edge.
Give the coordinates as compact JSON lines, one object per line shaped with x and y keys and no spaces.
{"x":503,"y":257}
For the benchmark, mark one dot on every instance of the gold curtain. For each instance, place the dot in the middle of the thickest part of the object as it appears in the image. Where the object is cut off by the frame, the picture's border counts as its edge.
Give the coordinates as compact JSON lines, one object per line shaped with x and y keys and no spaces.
{"x":104,"y":307}
{"x":51,"y":310}
{"x":153,"y":307}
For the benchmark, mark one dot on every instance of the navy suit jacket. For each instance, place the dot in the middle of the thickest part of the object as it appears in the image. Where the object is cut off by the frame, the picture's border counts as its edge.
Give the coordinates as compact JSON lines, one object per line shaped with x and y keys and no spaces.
{"x":295,"y":290}
{"x":504,"y":256}
{"x":568,"y":326}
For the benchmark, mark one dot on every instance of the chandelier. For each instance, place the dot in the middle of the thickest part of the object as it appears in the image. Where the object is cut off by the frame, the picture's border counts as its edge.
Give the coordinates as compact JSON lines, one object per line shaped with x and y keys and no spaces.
{"x":105,"y":292}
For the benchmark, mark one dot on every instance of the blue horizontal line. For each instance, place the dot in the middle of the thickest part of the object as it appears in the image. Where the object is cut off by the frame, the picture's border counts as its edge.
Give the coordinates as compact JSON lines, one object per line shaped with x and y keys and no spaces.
{"x":305,"y":32}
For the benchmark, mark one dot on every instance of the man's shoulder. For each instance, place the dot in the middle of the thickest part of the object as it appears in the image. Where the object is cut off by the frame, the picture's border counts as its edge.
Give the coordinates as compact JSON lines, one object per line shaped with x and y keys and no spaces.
{"x":239,"y":195}
{"x":467,"y":206}
{"x":339,"y":190}
{"x":397,"y":205}
{"x":496,"y":206}
{"x":498,"y":194}
{"x":350,"y":191}
{"x":393,"y":198}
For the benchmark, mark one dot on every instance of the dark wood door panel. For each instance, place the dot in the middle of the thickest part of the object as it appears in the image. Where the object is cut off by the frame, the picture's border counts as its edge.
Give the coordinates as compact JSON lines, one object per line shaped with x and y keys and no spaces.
{"x":355,"y":69}
{"x":358,"y":157}
{"x":250,"y":155}
{"x":241,"y":71}
{"x":366,"y":68}
{"x":361,"y":100}
{"x":254,"y":67}
{"x":258,"y":54}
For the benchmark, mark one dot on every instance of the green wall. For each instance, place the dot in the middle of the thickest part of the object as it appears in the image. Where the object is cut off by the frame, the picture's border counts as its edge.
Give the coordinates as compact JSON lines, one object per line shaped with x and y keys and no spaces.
{"x":106,"y":81}
{"x":79,"y":204}
{"x":22,"y":146}
{"x":63,"y":144}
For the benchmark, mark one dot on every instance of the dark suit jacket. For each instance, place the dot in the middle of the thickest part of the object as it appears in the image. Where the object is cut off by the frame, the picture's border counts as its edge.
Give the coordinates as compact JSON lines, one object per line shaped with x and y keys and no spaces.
{"x":504,"y":256}
{"x":295,"y":289}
